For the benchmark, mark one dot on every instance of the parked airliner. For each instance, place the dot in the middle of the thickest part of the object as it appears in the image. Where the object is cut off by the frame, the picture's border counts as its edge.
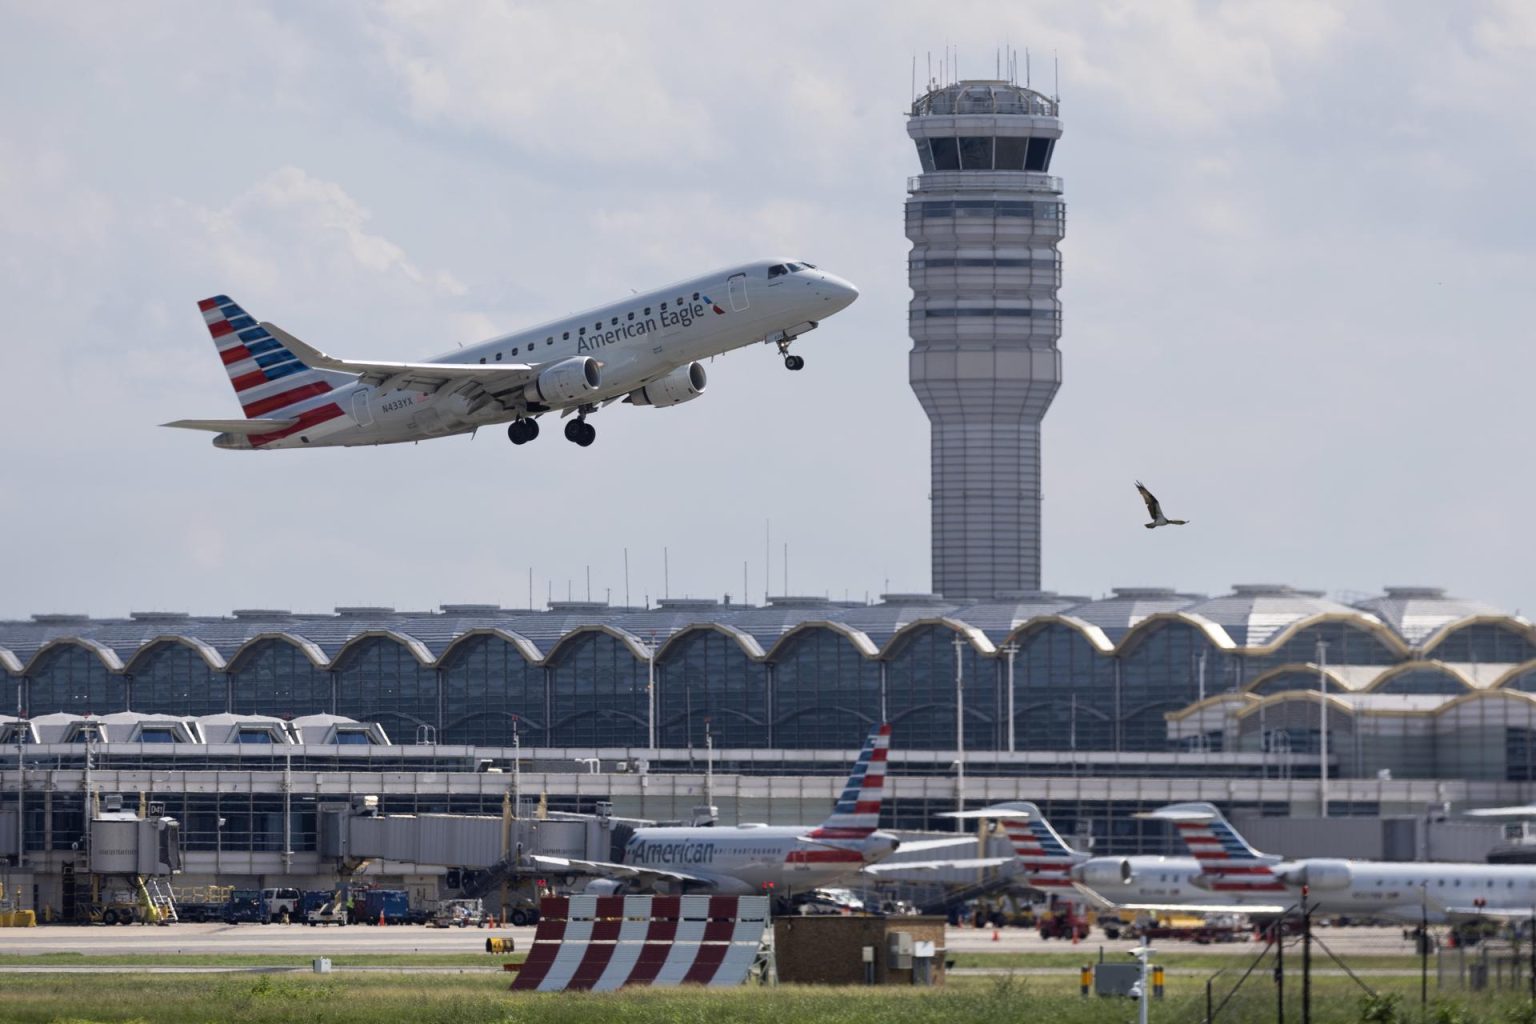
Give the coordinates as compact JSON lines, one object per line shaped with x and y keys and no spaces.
{"x":1130,"y":883}
{"x":1405,"y":890}
{"x":645,"y":350}
{"x":778,"y":860}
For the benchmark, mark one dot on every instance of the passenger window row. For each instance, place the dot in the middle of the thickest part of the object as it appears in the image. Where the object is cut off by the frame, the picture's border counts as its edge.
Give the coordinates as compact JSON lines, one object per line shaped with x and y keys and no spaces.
{"x":598,"y":326}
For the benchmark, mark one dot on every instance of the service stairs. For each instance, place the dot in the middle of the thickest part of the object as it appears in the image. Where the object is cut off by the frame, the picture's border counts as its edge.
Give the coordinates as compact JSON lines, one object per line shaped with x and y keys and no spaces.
{"x":959,"y":897}
{"x":155,"y":893}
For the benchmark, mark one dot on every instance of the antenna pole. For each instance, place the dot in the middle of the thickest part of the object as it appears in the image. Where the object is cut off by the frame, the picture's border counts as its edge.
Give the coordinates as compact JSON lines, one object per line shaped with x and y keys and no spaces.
{"x":1026,"y":67}
{"x":666,"y":573}
{"x":1056,"y":89}
{"x":626,"y":577}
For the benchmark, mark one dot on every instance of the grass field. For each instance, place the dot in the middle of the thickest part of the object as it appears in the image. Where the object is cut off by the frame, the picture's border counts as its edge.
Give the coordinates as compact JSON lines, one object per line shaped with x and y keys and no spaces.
{"x":481,"y":997}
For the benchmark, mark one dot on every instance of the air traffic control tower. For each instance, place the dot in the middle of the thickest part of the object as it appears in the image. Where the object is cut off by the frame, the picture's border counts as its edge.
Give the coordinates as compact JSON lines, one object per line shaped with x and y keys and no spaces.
{"x":985,"y":220}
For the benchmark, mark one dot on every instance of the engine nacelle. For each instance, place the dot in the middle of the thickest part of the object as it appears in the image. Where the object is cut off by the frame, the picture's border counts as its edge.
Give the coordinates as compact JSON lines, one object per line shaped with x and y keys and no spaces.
{"x":1104,"y":871}
{"x":1320,"y":875}
{"x":681,"y":385}
{"x":569,"y":380}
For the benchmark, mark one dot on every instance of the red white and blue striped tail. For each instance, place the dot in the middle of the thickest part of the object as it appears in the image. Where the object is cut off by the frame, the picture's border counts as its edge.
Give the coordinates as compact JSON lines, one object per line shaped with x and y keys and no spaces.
{"x":1226,"y":860}
{"x":269,"y":380}
{"x":857,"y":813}
{"x":1044,"y":856}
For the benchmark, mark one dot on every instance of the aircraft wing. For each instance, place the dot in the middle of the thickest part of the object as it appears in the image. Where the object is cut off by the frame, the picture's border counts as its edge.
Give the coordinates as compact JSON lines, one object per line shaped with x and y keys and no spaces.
{"x":494,"y":377}
{"x":971,"y":864}
{"x":605,"y":869}
{"x":258,"y":426}
{"x":911,"y":845}
{"x":1209,"y":908}
{"x":1496,"y":913}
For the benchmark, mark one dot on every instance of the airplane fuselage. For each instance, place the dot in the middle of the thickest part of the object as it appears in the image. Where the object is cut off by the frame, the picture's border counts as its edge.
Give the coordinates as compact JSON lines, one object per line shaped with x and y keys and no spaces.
{"x":635,"y":341}
{"x":748,"y":859}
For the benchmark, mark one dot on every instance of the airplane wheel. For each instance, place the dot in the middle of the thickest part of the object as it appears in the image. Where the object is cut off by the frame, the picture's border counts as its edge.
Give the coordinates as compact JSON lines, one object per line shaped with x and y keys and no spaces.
{"x":522,"y":431}
{"x":794,"y":363}
{"x":588,"y":435}
{"x":573,"y":431}
{"x":532,"y":426}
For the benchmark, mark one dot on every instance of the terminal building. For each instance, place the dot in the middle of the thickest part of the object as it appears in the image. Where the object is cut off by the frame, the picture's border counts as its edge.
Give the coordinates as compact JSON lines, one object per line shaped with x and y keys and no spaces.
{"x":246,"y":727}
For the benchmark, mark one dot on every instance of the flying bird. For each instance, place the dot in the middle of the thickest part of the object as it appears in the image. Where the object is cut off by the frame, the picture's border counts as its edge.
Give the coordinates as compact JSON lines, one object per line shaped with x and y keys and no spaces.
{"x":1155,"y":510}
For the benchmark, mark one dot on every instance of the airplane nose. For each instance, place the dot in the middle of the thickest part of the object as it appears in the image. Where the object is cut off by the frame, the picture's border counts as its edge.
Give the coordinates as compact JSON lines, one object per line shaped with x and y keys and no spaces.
{"x":839,"y":291}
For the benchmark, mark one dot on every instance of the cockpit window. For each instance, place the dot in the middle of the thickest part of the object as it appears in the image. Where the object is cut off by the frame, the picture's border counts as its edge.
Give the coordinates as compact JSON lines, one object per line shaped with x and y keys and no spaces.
{"x":777,"y":270}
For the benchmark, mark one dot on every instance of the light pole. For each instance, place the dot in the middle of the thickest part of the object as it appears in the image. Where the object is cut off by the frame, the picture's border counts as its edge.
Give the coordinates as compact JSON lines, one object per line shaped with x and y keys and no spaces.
{"x":1010,"y":649}
{"x":959,"y":730}
{"x":1322,"y":696}
{"x":650,"y":696}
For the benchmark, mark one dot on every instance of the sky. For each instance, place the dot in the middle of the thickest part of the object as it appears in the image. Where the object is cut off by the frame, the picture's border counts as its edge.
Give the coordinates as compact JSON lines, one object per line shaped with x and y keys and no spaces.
{"x":1296,"y":297}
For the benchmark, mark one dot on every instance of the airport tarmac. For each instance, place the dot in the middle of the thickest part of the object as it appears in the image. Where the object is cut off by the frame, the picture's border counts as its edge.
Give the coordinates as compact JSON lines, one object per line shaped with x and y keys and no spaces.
{"x":304,"y":942}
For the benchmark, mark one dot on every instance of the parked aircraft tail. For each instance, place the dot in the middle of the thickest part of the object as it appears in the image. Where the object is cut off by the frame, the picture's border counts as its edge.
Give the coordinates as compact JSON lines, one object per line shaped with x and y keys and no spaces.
{"x":857,"y":813}
{"x":1227,"y":862}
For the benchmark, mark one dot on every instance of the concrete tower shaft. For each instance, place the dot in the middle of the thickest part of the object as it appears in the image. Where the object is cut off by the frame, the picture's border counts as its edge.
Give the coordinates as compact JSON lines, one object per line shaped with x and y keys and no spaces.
{"x":985,"y":221}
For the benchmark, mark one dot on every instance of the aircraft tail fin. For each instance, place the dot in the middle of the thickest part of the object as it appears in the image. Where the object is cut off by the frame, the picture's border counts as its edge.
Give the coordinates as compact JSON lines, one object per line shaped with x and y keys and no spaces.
{"x":857,"y":812}
{"x":1228,"y":861}
{"x":268,"y":378}
{"x":1044,"y":856}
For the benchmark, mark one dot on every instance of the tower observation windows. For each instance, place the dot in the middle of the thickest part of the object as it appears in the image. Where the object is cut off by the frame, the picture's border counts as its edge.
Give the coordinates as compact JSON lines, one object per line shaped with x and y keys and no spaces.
{"x":984,"y":153}
{"x":938,"y":209}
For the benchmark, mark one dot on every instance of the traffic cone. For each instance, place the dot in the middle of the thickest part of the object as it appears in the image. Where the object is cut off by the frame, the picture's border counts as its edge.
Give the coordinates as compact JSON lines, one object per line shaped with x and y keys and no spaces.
{"x":996,"y":935}
{"x":1074,"y":936}
{"x":382,"y":920}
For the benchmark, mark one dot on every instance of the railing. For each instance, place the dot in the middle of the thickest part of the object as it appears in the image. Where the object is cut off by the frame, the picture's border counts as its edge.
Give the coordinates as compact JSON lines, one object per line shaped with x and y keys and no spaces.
{"x":951,"y":181}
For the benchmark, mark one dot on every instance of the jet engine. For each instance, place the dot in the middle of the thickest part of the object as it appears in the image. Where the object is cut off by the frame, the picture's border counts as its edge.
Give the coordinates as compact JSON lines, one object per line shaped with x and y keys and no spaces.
{"x":680,"y":385}
{"x":569,"y":380}
{"x":1320,"y":875}
{"x":1103,"y":871}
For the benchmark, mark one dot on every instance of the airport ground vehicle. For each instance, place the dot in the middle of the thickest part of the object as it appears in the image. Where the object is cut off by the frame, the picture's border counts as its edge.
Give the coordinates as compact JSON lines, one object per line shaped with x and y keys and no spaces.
{"x":1064,"y":922}
{"x":461,"y":913}
{"x":370,"y":906}
{"x":280,"y":906}
{"x":243,"y":905}
{"x":331,"y":912}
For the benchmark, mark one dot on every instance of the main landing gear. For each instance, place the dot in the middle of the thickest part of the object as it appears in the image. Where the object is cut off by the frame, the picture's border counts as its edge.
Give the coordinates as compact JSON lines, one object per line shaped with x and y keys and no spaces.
{"x":790,"y":362}
{"x":522,"y":431}
{"x":579,"y":431}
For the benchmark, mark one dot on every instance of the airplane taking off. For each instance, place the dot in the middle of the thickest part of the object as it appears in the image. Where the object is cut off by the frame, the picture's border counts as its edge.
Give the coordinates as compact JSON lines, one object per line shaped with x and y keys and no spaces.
{"x":1405,"y":890}
{"x":645,"y":350}
{"x":782,"y":860}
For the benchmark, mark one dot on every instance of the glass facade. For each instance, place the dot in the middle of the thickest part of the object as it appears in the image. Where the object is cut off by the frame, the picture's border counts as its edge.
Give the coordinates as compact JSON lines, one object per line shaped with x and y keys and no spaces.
{"x":1064,"y":692}
{"x":379,"y":680}
{"x":597,"y":693}
{"x":706,"y":674}
{"x":825,"y":691}
{"x":487,"y":684}
{"x":70,"y":677}
{"x":273,"y":676}
{"x":173,"y":679}
{"x":920,"y":691}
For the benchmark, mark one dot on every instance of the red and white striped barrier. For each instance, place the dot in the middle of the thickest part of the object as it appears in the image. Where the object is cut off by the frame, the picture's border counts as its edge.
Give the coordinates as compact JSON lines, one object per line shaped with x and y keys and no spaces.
{"x":606,"y":942}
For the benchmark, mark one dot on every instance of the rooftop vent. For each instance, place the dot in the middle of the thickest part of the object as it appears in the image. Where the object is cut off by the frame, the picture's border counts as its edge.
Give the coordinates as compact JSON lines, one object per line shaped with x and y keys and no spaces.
{"x":911,"y":599}
{"x":579,"y":606}
{"x":472,"y":610}
{"x":680,"y":604}
{"x":159,"y":616}
{"x":59,"y":618}
{"x":790,"y":601}
{"x":262,"y":614}
{"x":364,"y":611}
{"x":1142,"y":593}
{"x":1406,"y":592}
{"x":1262,"y":590}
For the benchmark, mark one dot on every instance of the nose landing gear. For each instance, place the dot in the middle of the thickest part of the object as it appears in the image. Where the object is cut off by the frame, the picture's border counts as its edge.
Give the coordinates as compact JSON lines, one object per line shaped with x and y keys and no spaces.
{"x":580,"y":432}
{"x":522,"y":431}
{"x":790,"y":362}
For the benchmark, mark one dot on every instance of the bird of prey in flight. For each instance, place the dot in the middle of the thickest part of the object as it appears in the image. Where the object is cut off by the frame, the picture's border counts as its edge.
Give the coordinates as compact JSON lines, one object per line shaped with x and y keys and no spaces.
{"x":1156,"y":511}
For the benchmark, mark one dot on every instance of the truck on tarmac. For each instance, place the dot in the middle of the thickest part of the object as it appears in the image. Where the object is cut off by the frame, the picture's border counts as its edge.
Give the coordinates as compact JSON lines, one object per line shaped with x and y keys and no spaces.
{"x":280,"y":905}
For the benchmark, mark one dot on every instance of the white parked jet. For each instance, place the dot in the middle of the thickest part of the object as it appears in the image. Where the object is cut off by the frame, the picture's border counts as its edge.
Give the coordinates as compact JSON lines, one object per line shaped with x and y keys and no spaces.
{"x":1141,"y":882}
{"x":1405,"y":890}
{"x":778,"y":860}
{"x":644,"y":350}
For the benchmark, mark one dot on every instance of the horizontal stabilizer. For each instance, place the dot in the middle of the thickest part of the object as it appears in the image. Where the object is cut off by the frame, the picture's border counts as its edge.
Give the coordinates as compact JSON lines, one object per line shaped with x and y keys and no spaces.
{"x":257,"y":426}
{"x":966,"y":864}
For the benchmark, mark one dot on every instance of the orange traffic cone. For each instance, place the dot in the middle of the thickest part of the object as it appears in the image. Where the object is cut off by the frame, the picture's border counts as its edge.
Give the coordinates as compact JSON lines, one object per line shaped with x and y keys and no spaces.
{"x":996,"y":936}
{"x":382,"y":920}
{"x":1074,"y":936}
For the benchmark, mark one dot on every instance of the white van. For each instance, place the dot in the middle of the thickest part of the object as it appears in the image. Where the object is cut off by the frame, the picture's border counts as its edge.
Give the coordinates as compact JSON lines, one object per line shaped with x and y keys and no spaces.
{"x":280,"y":906}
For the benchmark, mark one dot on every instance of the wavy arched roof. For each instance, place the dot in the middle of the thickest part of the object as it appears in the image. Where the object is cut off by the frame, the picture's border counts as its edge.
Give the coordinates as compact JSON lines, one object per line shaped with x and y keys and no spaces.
{"x":1418,"y":613}
{"x":1505,"y":681}
{"x":9,"y":661}
{"x":1358,"y":620}
{"x":1383,"y":680}
{"x":744,"y":640}
{"x":1095,"y":636}
{"x":356,"y":641}
{"x":1295,"y":697}
{"x":1340,"y":676}
{"x":106,"y":655}
{"x":975,"y":637}
{"x":857,"y":637}
{"x":636,"y":646}
{"x":1158,"y":620}
{"x":1516,"y":625}
{"x":212,"y":658}
{"x":1225,"y":697}
{"x":307,"y":647}
{"x":525,"y":646}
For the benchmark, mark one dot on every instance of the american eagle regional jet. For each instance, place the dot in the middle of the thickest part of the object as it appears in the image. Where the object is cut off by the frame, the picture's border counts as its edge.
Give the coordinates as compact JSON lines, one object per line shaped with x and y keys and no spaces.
{"x":645,"y":350}
{"x":780,"y":860}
